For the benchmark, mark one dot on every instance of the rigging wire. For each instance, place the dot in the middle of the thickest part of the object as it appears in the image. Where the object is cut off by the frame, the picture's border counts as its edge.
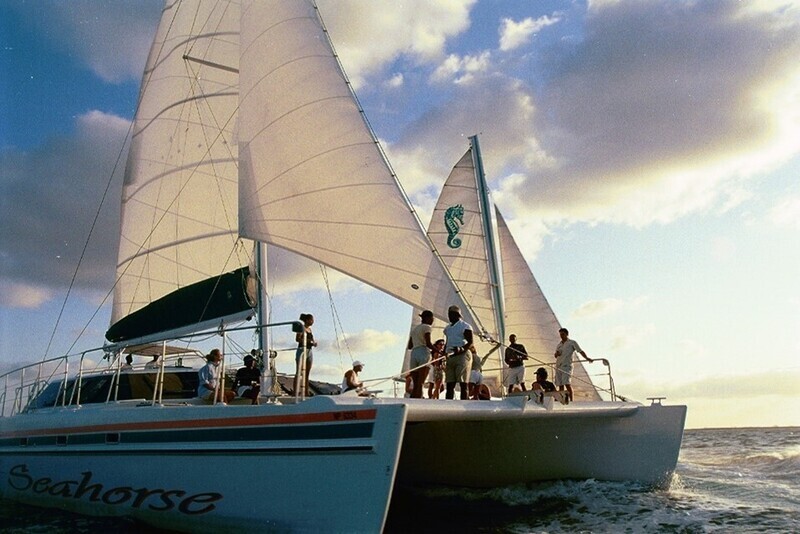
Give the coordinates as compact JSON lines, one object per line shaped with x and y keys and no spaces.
{"x":337,"y":322}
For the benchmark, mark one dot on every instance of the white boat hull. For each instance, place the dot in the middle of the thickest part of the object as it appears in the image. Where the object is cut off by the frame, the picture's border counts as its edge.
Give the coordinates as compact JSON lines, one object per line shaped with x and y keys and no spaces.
{"x":210,"y":468}
{"x":499,"y":443}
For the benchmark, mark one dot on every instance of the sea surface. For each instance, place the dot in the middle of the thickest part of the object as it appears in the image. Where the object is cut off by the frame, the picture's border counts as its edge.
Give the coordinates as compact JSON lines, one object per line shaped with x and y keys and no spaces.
{"x":727,"y":480}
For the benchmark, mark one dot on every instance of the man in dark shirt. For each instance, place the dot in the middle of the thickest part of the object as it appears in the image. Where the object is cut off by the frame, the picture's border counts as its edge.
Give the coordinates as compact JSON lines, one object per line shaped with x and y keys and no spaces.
{"x":515,"y":357}
{"x":248,"y":380}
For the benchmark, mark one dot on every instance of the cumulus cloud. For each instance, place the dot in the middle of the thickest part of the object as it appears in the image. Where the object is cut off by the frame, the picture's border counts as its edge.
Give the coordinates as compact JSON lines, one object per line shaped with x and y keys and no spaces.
{"x":514,"y":34}
{"x":368,"y":37}
{"x":395,"y":81}
{"x":462,"y":69}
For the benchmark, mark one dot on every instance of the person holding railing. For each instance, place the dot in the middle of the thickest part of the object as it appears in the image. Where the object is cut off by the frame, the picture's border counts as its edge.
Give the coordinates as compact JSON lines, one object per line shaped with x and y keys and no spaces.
{"x":563,"y":354}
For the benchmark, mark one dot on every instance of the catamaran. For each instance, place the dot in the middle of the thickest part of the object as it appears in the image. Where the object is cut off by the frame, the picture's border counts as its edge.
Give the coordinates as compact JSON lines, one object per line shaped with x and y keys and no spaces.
{"x":247,"y":132}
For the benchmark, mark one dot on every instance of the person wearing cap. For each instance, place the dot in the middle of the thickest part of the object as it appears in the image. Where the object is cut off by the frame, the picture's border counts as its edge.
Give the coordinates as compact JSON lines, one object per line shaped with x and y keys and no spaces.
{"x":248,"y":380}
{"x":420,"y":345}
{"x":209,"y":379}
{"x":563,"y":354}
{"x":457,"y":347}
{"x":351,"y":380}
{"x":542,"y":385}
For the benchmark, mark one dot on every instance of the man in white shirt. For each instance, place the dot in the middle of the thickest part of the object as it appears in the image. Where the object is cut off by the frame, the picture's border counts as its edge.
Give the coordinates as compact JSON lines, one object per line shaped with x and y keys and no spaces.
{"x":563,"y":354}
{"x":459,"y":340}
{"x":209,"y":378}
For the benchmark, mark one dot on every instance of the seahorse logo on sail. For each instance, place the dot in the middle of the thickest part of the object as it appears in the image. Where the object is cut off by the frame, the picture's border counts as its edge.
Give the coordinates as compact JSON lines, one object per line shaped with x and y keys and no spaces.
{"x":453,"y":214}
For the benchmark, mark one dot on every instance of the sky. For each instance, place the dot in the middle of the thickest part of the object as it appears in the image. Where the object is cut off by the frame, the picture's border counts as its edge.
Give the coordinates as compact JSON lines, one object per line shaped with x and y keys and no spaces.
{"x":645,"y":155}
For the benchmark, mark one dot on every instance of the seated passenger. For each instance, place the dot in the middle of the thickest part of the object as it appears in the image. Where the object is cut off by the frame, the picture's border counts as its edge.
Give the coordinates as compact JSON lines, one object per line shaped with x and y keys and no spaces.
{"x":154,"y":363}
{"x":209,"y":378}
{"x":542,"y":385}
{"x":351,"y":381}
{"x":248,"y":380}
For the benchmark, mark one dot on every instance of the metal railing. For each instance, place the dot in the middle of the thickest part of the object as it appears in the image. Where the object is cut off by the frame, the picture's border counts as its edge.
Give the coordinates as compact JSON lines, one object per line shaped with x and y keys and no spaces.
{"x":22,"y":386}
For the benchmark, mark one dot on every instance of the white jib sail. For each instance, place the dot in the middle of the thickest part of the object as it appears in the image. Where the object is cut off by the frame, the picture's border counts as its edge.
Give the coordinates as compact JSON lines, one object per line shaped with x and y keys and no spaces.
{"x":457,"y":230}
{"x":529,"y":315}
{"x":312,"y":177}
{"x":179,"y":202}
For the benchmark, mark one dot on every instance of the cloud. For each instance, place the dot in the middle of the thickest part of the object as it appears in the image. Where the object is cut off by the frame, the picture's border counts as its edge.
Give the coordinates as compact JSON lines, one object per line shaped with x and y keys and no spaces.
{"x":662,"y":105}
{"x":597,"y":308}
{"x":64,"y":180}
{"x":111,"y":38}
{"x":395,"y":81}
{"x":786,"y":214}
{"x":368,"y":37}
{"x":515,"y":34}
{"x":369,"y":341}
{"x":20,"y":295}
{"x":722,"y":386}
{"x":627,"y":337}
{"x":462,"y":69}
{"x":661,"y":109}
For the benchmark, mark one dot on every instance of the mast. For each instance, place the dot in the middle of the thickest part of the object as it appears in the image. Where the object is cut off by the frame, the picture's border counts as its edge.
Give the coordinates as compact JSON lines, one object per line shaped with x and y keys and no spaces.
{"x":492,"y":254}
{"x":262,"y":310}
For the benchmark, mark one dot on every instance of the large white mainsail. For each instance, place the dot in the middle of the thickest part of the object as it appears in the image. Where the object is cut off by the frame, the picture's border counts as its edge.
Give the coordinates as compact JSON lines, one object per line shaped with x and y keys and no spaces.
{"x":179,"y":202}
{"x":313,"y":179}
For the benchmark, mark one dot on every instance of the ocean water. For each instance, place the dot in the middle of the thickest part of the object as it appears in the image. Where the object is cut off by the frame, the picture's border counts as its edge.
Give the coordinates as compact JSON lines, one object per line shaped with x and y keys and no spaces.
{"x":728,"y":480}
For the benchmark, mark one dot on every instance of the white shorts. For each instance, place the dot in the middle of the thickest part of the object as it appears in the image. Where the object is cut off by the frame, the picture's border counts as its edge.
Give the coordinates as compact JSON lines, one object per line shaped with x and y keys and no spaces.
{"x":515,"y":375}
{"x":563,"y":375}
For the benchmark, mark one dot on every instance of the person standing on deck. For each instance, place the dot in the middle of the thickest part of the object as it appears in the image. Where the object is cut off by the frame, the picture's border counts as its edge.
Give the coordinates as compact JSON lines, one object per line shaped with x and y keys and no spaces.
{"x":437,"y":370}
{"x":420,"y":345}
{"x":515,"y":357}
{"x":308,"y":321}
{"x":209,"y":378}
{"x":459,"y":340}
{"x":563,"y":354}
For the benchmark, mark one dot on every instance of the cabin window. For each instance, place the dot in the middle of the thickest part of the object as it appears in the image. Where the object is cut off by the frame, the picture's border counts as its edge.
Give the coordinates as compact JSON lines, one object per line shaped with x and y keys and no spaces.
{"x":61,"y":440}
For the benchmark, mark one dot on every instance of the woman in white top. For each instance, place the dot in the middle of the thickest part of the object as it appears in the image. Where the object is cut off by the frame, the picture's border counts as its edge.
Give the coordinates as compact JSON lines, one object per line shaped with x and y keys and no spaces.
{"x":420,"y":345}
